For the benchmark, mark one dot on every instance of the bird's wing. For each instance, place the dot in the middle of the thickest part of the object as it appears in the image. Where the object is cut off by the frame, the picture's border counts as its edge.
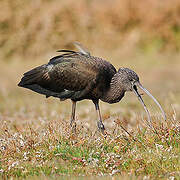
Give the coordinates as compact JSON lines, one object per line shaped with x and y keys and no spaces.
{"x":81,"y":73}
{"x":71,"y":72}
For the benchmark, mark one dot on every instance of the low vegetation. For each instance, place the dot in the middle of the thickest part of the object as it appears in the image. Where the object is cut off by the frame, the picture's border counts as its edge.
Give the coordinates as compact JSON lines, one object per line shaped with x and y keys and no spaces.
{"x":54,"y":151}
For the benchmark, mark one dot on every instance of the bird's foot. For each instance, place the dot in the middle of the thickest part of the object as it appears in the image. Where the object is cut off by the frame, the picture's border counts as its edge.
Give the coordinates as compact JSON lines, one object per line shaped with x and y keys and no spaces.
{"x":101,"y":127}
{"x":73,"y":127}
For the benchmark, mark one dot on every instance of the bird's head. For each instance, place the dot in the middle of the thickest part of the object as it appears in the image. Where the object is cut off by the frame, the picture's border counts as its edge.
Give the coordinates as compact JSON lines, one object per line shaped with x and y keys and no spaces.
{"x":127,"y":78}
{"x":129,"y":81}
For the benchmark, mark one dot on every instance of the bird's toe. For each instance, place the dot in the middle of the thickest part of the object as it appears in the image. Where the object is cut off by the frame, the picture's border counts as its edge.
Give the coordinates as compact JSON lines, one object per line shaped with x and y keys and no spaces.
{"x":101,"y":127}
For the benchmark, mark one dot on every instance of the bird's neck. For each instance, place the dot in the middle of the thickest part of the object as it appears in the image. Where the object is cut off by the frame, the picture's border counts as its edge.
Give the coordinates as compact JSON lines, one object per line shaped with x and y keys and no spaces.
{"x":115,"y":92}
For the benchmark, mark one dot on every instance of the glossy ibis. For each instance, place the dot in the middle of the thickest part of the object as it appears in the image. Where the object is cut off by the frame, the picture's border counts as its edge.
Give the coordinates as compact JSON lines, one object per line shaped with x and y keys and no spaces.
{"x":78,"y":76}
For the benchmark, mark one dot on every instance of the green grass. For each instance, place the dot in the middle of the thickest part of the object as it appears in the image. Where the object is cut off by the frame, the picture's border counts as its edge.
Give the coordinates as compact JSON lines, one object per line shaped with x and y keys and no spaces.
{"x":115,"y":154}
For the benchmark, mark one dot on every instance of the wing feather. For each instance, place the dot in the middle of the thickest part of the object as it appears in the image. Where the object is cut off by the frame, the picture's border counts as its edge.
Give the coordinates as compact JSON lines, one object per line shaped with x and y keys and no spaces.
{"x":73,"y":74}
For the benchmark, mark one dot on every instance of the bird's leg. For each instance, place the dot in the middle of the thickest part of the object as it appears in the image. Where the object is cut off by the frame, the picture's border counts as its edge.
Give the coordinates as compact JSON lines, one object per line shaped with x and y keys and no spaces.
{"x":99,"y":122}
{"x":72,"y":123}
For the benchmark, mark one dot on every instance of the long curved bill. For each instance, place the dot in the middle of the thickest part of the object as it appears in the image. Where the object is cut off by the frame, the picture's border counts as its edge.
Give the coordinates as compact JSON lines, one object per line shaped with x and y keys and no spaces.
{"x":151,"y":96}
{"x":144,"y":106}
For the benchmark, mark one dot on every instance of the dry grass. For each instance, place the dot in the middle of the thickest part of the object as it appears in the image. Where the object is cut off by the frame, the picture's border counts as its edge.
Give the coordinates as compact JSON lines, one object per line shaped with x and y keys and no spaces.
{"x":29,"y":27}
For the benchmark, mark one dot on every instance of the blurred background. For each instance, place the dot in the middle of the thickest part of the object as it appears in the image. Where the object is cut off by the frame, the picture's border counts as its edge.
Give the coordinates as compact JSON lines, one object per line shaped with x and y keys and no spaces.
{"x":33,"y":28}
{"x":142,"y":35}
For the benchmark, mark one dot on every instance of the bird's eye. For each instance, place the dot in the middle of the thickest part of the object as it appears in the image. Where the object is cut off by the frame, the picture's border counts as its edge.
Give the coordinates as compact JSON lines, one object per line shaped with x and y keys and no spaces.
{"x":132,"y":81}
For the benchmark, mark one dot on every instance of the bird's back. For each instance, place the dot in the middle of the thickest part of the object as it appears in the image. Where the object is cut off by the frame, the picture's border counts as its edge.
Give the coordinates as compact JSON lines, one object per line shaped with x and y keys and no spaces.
{"x":70,"y":75}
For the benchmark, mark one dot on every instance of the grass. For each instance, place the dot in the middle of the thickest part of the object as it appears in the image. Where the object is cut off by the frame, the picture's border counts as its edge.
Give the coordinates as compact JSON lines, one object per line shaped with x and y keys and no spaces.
{"x":55,"y":152}
{"x":36,"y":141}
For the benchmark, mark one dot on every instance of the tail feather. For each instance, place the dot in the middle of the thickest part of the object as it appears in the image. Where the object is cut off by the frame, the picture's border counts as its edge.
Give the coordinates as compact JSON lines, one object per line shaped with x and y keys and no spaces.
{"x":41,"y":90}
{"x":37,"y":80}
{"x":32,"y":76}
{"x":65,"y":94}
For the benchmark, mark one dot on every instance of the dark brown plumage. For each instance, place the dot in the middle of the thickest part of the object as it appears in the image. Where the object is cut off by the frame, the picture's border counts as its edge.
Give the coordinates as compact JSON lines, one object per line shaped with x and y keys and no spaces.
{"x":78,"y":75}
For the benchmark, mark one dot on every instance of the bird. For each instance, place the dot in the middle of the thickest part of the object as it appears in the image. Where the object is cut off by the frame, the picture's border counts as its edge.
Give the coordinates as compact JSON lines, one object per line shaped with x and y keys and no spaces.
{"x":77,"y":75}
